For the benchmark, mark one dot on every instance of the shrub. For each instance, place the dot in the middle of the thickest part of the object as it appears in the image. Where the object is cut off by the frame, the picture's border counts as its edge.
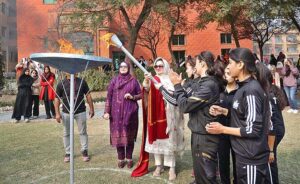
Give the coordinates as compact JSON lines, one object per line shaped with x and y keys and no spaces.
{"x":140,"y":74}
{"x":97,"y":79}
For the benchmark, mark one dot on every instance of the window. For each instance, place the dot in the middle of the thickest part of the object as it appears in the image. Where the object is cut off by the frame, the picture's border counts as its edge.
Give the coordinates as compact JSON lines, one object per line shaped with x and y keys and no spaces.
{"x":292,"y":48}
{"x":179,"y":55}
{"x":224,"y":51}
{"x":278,"y":48}
{"x":50,"y":1}
{"x":12,"y":12}
{"x":4,"y":56}
{"x":278,"y":39}
{"x":82,"y":40}
{"x":178,"y":40}
{"x":3,"y":7}
{"x":267,"y":49}
{"x":12,"y":34}
{"x":45,"y":42}
{"x":292,"y":38}
{"x":3,"y":31}
{"x":225,"y":38}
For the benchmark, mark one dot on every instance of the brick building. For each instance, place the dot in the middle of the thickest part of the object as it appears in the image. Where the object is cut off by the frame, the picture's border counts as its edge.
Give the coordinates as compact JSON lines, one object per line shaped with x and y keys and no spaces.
{"x":8,"y":34}
{"x":36,"y":21}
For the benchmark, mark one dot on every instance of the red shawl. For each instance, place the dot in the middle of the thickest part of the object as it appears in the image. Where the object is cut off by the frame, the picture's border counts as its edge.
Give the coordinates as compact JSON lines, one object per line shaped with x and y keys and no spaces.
{"x":156,"y":123}
{"x":157,"y":120}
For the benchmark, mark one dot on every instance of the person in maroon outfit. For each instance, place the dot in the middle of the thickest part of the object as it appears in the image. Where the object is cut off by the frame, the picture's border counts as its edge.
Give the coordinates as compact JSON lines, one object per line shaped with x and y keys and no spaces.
{"x":121,"y":109}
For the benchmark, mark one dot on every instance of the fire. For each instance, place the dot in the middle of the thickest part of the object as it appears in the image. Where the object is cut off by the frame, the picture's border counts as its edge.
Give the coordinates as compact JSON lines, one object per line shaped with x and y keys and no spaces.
{"x":66,"y":46}
{"x":107,"y":39}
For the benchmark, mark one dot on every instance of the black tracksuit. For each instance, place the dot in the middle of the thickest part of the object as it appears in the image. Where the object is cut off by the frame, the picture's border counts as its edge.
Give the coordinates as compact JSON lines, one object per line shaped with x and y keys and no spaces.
{"x":277,"y":129}
{"x":204,"y":93}
{"x":224,"y":148}
{"x":251,"y":113}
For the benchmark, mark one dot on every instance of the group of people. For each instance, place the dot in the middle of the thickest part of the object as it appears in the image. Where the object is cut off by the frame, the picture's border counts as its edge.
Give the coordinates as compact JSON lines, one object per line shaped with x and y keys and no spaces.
{"x":286,"y":76}
{"x":235,"y":110}
{"x":32,"y":88}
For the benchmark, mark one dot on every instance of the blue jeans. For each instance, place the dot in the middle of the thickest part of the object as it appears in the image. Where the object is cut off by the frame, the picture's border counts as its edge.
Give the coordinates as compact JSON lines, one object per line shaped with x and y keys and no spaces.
{"x":291,"y":94}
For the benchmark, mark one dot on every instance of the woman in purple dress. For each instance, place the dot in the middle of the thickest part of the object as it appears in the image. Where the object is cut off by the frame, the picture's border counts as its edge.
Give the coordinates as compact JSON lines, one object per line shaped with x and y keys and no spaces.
{"x":121,"y":109}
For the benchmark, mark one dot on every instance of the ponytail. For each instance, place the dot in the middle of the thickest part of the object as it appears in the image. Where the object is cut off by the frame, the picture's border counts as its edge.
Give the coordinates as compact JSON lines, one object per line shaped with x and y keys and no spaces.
{"x":215,"y":69}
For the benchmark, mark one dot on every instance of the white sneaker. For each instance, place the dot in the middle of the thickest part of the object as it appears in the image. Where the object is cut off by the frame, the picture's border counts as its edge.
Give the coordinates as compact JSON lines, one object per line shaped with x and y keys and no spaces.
{"x":290,"y":110}
{"x":26,"y":120}
{"x":15,"y":121}
{"x":295,"y":111}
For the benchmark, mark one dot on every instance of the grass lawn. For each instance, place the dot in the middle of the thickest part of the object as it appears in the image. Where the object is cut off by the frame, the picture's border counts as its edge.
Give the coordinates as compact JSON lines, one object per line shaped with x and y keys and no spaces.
{"x":33,"y":153}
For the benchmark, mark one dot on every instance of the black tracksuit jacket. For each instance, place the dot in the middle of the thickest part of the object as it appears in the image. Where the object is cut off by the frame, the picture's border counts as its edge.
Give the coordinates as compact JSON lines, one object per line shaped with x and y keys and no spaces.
{"x":251,"y":113}
{"x":204,"y":94}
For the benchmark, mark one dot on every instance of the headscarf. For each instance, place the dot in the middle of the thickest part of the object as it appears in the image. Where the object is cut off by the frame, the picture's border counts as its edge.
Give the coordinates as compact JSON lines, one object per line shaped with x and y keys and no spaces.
{"x":164,"y":77}
{"x":124,"y":78}
{"x":25,"y":79}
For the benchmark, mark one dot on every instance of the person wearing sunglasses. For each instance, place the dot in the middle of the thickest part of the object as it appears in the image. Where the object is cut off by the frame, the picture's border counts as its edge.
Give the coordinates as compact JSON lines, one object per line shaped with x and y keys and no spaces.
{"x":165,"y":122}
{"x":121,"y":109}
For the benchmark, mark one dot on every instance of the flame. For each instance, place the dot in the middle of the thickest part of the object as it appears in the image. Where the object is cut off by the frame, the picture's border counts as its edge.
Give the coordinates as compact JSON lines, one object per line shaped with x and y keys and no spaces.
{"x":66,"y":46}
{"x":107,"y":39}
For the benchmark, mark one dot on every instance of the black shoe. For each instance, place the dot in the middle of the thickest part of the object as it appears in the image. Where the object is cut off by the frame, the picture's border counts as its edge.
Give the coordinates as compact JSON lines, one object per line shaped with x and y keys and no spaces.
{"x":48,"y":117}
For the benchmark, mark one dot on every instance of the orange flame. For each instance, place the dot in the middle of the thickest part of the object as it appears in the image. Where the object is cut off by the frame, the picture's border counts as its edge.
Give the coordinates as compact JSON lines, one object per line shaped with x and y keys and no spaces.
{"x":107,"y":39}
{"x":66,"y":46}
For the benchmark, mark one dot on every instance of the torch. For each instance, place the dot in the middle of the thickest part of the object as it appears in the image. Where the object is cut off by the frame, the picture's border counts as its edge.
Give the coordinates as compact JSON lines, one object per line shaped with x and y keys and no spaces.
{"x":112,"y":39}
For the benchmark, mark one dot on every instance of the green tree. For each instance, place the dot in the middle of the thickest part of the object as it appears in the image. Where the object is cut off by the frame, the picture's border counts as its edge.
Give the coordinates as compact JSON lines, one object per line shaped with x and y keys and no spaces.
{"x":94,"y":14}
{"x":175,"y":17}
{"x":265,"y":23}
{"x":150,"y":34}
{"x":231,"y":16}
{"x":287,"y":9}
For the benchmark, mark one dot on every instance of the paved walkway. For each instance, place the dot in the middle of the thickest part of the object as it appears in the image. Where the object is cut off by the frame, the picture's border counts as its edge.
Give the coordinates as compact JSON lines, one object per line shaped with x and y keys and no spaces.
{"x":5,"y":117}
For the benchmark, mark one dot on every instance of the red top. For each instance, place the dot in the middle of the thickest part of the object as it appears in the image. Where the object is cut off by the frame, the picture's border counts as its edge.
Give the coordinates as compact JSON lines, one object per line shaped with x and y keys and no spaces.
{"x":49,"y":83}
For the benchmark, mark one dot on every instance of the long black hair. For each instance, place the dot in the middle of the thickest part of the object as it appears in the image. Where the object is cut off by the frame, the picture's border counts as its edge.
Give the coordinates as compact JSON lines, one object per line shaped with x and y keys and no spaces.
{"x":215,"y":69}
{"x":258,"y":70}
{"x":245,"y":55}
{"x":262,"y":71}
{"x":277,"y":92}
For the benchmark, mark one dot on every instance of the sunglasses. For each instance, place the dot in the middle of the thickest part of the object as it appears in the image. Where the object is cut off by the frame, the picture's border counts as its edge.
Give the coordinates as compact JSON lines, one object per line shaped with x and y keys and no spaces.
{"x":123,"y":66}
{"x":158,"y":66}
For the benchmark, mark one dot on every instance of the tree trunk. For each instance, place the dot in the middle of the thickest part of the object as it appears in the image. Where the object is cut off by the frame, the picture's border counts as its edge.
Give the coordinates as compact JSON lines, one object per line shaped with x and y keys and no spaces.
{"x":131,"y":46}
{"x":134,"y":29}
{"x":154,"y":54}
{"x":261,"y":51}
{"x":170,"y":43}
{"x":295,"y":22}
{"x":234,"y":33}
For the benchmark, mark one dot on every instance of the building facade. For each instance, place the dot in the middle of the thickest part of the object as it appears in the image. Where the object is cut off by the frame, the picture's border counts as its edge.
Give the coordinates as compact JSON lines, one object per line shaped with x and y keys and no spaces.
{"x":8,"y":34}
{"x":37,"y":35}
{"x":288,"y":43}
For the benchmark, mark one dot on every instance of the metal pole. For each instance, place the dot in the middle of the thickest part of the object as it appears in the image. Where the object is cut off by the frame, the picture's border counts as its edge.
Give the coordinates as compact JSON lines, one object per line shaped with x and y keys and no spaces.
{"x":136,"y":62}
{"x":72,"y":129}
